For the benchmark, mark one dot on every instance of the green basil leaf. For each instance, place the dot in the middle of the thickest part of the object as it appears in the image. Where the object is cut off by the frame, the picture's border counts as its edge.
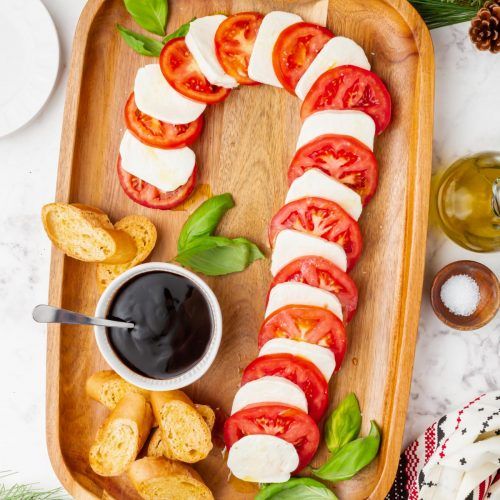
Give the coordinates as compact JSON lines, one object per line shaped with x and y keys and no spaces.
{"x":255,"y":252}
{"x":343,"y":424}
{"x":203,"y":221}
{"x":216,"y":255}
{"x":209,"y":241}
{"x":351,"y":458}
{"x":181,"y":31}
{"x":140,"y":43}
{"x":150,"y":14}
{"x":302,"y":492}
{"x":301,"y":488}
{"x":214,"y":258}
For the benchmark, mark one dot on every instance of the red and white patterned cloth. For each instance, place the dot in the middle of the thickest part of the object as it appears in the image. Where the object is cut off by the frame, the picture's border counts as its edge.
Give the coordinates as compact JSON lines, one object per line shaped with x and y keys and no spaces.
{"x":456,"y":458}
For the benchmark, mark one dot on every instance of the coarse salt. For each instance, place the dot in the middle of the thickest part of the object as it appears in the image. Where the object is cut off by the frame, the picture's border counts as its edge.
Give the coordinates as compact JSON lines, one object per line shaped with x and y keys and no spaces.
{"x":460,"y":294}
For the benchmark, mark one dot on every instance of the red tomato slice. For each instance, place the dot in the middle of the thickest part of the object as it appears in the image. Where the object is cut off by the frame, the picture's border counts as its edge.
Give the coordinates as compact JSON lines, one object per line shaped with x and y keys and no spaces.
{"x":298,"y":370}
{"x":322,"y":218}
{"x":321,"y":273}
{"x":285,"y":422}
{"x":234,"y":42}
{"x":184,"y":75}
{"x":343,"y":158}
{"x":295,"y":50}
{"x":150,"y":196}
{"x":158,"y":134}
{"x":314,"y":325}
{"x":350,"y":87}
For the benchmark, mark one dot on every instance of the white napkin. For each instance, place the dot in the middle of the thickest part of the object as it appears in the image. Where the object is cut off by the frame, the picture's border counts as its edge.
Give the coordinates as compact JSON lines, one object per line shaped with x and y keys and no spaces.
{"x":457,"y":458}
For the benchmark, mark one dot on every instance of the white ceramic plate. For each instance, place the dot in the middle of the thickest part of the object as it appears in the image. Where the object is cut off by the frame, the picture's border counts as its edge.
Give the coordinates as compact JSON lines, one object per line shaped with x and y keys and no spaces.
{"x":29,"y":61}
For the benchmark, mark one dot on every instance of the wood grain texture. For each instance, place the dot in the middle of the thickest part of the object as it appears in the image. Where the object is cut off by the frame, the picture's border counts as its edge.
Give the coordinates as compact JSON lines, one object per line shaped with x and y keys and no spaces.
{"x":245,"y":149}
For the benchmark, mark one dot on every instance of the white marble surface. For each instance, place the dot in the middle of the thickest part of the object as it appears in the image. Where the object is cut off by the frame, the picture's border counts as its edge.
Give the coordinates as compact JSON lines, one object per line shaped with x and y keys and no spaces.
{"x":449,"y":366}
{"x":452,"y":366}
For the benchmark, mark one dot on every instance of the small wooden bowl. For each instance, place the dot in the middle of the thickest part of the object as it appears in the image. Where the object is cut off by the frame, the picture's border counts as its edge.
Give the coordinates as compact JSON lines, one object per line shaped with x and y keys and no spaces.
{"x":488,"y":287}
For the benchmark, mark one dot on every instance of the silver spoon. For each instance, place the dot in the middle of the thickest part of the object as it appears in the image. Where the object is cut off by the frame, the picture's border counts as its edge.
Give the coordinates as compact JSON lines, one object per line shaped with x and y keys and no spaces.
{"x":51,"y":314}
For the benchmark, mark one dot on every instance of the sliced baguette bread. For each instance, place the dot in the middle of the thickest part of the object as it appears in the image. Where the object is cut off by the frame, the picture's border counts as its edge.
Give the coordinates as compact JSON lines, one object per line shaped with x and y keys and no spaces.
{"x":121,"y":436}
{"x":157,"y":478}
{"x":208,"y":415}
{"x":158,"y":448}
{"x":108,"y":388}
{"x":86,"y":233}
{"x":144,"y":234}
{"x":185,"y":434}
{"x":94,"y":213}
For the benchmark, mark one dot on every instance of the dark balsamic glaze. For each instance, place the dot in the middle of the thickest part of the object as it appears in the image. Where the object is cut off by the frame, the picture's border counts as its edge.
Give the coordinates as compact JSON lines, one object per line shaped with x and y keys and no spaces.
{"x":173,"y":324}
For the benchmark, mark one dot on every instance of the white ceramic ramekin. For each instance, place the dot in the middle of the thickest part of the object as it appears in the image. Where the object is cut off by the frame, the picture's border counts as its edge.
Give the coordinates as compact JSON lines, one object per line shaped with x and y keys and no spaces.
{"x":184,"y":379}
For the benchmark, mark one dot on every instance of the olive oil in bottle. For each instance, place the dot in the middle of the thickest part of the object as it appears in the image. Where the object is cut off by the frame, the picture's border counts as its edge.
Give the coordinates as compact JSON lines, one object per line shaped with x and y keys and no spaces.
{"x":468,"y":202}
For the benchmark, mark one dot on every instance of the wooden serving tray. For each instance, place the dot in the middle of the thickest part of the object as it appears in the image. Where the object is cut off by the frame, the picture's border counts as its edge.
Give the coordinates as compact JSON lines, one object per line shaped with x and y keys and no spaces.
{"x":245,"y":149}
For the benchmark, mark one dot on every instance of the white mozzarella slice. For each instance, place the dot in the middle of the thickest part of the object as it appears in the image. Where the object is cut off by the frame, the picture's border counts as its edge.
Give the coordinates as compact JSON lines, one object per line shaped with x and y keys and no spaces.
{"x":299,"y":294}
{"x":345,"y":122}
{"x":316,"y":183}
{"x":319,"y":356}
{"x":270,"y":389}
{"x":200,"y":40}
{"x":167,"y":169}
{"x":155,"y":97}
{"x":260,"y":67}
{"x":339,"y":51}
{"x":291,"y":245}
{"x":261,"y":458}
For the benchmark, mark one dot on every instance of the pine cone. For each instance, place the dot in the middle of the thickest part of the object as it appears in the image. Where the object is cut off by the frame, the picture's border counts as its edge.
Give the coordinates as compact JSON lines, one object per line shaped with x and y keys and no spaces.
{"x":485,"y":27}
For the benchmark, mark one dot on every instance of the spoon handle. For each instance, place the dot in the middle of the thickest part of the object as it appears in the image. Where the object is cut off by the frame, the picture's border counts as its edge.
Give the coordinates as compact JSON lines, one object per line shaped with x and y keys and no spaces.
{"x":51,"y":314}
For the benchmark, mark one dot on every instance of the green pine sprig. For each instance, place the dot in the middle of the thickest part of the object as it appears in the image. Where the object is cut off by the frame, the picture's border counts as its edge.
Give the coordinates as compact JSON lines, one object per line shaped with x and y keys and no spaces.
{"x":28,"y":491}
{"x":438,"y":13}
